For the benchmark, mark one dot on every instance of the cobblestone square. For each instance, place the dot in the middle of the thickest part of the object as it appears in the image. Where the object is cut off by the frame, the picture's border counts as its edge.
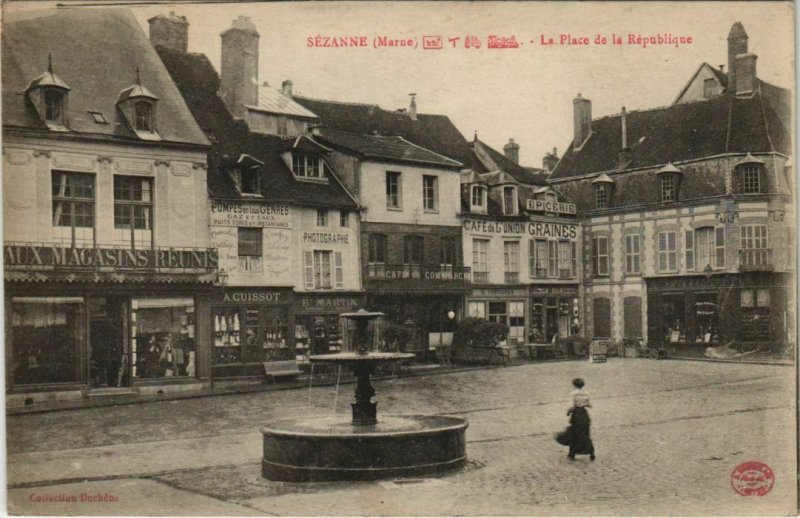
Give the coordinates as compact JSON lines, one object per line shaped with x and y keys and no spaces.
{"x":668,"y":435}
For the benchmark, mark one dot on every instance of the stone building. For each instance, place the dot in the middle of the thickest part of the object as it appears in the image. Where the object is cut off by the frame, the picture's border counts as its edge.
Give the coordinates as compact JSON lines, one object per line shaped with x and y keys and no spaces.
{"x":106,"y":248}
{"x":687,"y":212}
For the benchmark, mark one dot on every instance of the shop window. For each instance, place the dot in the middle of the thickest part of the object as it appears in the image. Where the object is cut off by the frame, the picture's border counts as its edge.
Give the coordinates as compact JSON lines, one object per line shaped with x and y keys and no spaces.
{"x":163,"y":338}
{"x":602,"y":317}
{"x":632,"y":316}
{"x":632,"y":254}
{"x":509,"y":200}
{"x":251,"y":249}
{"x":480,"y":260}
{"x":600,"y":256}
{"x":511,"y":261}
{"x":516,"y":322}
{"x":667,"y":252}
{"x":537,"y":260}
{"x":537,"y":334}
{"x":498,"y":312}
{"x":73,"y":208}
{"x":394,"y":198}
{"x":47,"y":335}
{"x":448,"y":253}
{"x":430,"y":193}
{"x":565,"y":267}
{"x":378,"y":249}
{"x":133,"y":211}
{"x":601,"y":192}
{"x":317,"y":334}
{"x":673,"y":318}
{"x":476,"y":309}
{"x":250,"y":334}
{"x":307,"y":166}
{"x":323,"y":270}
{"x":478,"y":198}
{"x":709,"y":248}
{"x":706,"y":329}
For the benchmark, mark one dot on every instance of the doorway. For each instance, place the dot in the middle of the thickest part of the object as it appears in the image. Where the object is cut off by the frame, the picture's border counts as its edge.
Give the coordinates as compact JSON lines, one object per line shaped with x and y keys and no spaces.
{"x":109,"y":358}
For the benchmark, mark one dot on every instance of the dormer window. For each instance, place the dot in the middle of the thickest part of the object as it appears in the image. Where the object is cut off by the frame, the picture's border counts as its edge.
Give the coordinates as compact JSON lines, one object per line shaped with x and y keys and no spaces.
{"x":478,"y":198}
{"x":751,"y":179}
{"x":669,"y":178}
{"x":245,"y":175}
{"x":601,"y":195}
{"x":749,"y":174}
{"x":509,"y":201}
{"x":667,"y":187}
{"x":307,"y":166}
{"x":138,"y":107}
{"x":48,"y":95}
{"x":143,"y":116}
{"x":54,"y":106}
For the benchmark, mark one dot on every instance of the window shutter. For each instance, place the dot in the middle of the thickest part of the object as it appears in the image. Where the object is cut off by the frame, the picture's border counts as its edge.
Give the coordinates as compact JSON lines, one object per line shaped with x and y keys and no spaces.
{"x":595,"y":259}
{"x":309,"y":269}
{"x":690,"y":250}
{"x":532,"y":257}
{"x":339,"y":270}
{"x":720,"y":235}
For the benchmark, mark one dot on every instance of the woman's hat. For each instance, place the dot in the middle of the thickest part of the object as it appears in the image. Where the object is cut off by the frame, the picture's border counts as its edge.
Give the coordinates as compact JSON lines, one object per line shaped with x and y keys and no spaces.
{"x":578,"y":382}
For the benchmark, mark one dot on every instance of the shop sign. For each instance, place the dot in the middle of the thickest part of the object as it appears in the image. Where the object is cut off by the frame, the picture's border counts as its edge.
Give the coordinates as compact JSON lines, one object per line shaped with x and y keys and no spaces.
{"x":249,"y":214}
{"x":500,"y":292}
{"x":404,"y":272}
{"x":114,"y":258}
{"x":253,"y":297}
{"x":551,"y":206}
{"x":532,"y":228}
{"x":328,"y":304}
{"x":326,"y":238}
{"x":556,"y":290}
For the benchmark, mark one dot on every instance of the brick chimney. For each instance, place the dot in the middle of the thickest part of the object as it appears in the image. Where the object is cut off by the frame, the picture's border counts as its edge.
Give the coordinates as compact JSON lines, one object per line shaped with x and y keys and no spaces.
{"x":550,"y":160}
{"x":286,"y":88}
{"x":239,"y":77}
{"x":412,"y":107}
{"x":511,"y":150}
{"x":746,"y":79}
{"x":737,"y":44}
{"x":582,"y":109}
{"x":171,"y":32}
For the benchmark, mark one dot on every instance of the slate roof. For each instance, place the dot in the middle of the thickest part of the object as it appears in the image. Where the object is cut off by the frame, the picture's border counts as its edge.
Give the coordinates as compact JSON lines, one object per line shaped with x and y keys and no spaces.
{"x":271,"y":100}
{"x":95,"y":78}
{"x":493,"y":160}
{"x":433,"y":132}
{"x":390,"y":148}
{"x":721,"y":124}
{"x":199,"y":82}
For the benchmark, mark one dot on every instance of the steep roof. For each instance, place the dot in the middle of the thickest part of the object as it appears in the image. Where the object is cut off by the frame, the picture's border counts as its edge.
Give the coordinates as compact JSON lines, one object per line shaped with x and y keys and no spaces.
{"x":199,"y":82}
{"x":379,"y":147}
{"x":721,"y":124}
{"x":95,"y":79}
{"x":271,"y":100}
{"x":493,"y":160}
{"x":433,"y":132}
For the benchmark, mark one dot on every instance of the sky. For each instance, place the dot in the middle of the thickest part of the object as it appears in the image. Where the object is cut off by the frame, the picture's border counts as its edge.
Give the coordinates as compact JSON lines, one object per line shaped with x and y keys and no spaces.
{"x":524,"y":93}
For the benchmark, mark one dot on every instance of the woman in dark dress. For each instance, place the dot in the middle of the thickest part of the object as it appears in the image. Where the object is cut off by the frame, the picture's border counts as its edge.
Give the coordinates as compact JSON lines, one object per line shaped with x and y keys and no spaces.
{"x":577,"y":436}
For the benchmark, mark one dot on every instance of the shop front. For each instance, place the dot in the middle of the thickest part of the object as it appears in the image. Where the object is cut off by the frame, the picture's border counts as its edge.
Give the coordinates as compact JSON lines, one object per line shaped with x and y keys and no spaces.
{"x":553,"y":312}
{"x":507,"y":305}
{"x":317,"y":329}
{"x":687,"y":314}
{"x":249,"y":327}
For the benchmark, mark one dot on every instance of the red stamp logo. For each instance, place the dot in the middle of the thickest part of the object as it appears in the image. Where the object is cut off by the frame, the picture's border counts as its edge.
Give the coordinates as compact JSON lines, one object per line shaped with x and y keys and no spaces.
{"x":432,"y":42}
{"x":752,"y":479}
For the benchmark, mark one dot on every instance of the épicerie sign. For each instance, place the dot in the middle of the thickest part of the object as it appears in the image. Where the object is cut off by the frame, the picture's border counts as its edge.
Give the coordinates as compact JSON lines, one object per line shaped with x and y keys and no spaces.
{"x":114,"y":258}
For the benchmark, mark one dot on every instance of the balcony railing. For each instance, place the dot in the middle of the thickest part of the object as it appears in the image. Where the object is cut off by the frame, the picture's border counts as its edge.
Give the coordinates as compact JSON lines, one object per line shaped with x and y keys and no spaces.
{"x":756,"y":259}
{"x":418,"y":274}
{"x":544,"y":273}
{"x":512,"y":277}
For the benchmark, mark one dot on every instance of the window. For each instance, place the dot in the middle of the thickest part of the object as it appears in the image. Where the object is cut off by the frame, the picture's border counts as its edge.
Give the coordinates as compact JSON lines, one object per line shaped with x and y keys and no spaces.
{"x":282,"y":126}
{"x":565,"y":270}
{"x":689,"y":250}
{"x":754,"y":236}
{"x":344,"y":219}
{"x":476,"y":309}
{"x":552,"y":258}
{"x":393,"y":195}
{"x":511,"y":261}
{"x":751,"y":179}
{"x":412,"y":250}
{"x":133,"y":211}
{"x":321,"y":272}
{"x":668,"y":190}
{"x":709,"y":88}
{"x":448,"y":256}
{"x":601,"y":196}
{"x":73,"y":208}
{"x":537,"y":260}
{"x":509,"y":200}
{"x":667,"y":252}
{"x":632,"y":254}
{"x":250,"y":249}
{"x":54,"y":106}
{"x":480,"y":260}
{"x":377,"y":249}
{"x":306,"y":166}
{"x":98,"y":117}
{"x":164,"y":345}
{"x":250,"y":334}
{"x":143,"y":116}
{"x":430,"y":193}
{"x":600,"y":255}
{"x":498,"y":312}
{"x":709,"y":248}
{"x":322,"y":217}
{"x":479,"y":198}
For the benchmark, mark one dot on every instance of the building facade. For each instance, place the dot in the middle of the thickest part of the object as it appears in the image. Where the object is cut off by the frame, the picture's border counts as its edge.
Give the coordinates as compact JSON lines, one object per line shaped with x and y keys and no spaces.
{"x":690,"y":223}
{"x":107,"y":255}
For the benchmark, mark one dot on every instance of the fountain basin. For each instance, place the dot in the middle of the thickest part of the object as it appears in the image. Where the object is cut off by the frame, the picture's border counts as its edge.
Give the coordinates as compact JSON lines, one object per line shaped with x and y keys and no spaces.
{"x":331,"y":448}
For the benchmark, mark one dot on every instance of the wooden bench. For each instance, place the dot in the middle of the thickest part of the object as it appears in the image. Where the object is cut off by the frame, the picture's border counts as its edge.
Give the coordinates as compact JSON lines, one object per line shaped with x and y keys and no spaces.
{"x":281,"y":369}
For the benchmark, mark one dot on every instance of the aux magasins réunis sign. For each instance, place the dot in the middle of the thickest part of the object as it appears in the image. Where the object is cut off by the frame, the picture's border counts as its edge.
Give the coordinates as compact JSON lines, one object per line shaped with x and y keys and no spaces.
{"x":114,"y":258}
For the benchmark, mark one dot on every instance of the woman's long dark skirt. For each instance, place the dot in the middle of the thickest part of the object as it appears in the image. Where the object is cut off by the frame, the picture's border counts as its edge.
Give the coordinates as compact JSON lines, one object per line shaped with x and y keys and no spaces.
{"x":578,"y":434}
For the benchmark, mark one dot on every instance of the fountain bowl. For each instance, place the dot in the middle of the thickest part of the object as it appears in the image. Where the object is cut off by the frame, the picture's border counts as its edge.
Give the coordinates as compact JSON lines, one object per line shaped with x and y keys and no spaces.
{"x":327,"y":448}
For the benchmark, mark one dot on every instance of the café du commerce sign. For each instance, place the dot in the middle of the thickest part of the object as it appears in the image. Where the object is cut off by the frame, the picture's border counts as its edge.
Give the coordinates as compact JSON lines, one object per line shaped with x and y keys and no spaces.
{"x":17,"y":255}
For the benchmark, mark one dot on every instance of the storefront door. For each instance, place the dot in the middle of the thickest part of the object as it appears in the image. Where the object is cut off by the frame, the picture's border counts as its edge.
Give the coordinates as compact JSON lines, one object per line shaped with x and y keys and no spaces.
{"x":109,"y":359}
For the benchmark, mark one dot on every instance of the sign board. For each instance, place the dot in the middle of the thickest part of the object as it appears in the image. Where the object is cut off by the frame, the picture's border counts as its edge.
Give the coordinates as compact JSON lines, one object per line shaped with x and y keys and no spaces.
{"x":249,"y":214}
{"x":532,"y":228}
{"x":113,"y":258}
{"x":551,"y":206}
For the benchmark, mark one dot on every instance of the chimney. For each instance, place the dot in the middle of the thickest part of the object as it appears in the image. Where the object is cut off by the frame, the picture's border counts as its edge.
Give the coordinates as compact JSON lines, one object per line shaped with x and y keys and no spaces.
{"x":746,"y":79}
{"x":171,"y":32}
{"x":582,"y":109}
{"x":286,"y":88}
{"x":239,"y":76}
{"x":412,"y":108}
{"x":737,"y":44}
{"x":511,"y":151}
{"x":550,"y":160}
{"x":624,"y":151}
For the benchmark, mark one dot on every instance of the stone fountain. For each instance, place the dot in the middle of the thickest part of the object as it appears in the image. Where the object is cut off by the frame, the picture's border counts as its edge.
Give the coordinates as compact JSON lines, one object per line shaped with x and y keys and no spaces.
{"x":364,"y":447}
